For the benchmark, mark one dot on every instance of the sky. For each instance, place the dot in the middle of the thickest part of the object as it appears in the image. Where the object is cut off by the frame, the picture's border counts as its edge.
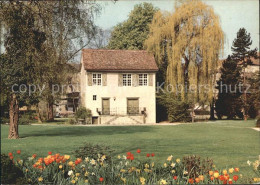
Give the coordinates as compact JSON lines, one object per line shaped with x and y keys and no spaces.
{"x":233,"y":14}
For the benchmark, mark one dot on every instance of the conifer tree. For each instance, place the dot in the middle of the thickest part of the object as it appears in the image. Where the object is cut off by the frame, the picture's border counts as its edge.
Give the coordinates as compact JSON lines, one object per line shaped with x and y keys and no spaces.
{"x":229,"y":91}
{"x":242,"y":54}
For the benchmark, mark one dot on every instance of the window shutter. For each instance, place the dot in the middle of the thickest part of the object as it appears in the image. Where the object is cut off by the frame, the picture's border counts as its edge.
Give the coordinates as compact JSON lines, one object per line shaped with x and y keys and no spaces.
{"x":150,"y":79}
{"x":120,"y":80}
{"x":104,"y":79}
{"x":89,"y":79}
{"x":135,"y":80}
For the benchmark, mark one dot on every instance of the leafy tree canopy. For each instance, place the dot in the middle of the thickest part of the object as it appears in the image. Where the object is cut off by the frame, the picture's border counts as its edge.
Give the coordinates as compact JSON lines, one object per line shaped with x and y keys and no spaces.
{"x":132,"y":33}
{"x":189,"y":41}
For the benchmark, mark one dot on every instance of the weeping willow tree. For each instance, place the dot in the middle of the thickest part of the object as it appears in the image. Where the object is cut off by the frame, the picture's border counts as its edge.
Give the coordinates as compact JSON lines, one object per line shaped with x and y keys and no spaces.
{"x":189,"y":41}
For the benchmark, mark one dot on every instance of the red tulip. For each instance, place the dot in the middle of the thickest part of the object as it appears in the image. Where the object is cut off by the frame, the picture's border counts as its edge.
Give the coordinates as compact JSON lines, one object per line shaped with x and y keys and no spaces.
{"x":18,"y":151}
{"x":152,"y":154}
{"x":175,"y":177}
{"x":34,"y":155}
{"x":147,"y":155}
{"x":221,"y":177}
{"x":101,"y":179}
{"x":131,"y":158}
{"x":191,"y":181}
{"x":138,"y":151}
{"x":11,"y":157}
{"x":49,"y":153}
{"x":10,"y":154}
{"x":128,"y":153}
{"x":235,"y":177}
{"x":230,"y":182}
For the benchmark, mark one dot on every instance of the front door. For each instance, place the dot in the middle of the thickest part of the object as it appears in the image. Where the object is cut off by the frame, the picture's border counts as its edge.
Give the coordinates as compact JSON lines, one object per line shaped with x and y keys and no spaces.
{"x":105,"y":106}
{"x":132,"y":105}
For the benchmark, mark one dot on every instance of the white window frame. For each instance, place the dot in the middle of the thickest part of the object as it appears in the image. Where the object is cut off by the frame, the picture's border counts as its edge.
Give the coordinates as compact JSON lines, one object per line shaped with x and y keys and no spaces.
{"x":127,"y":79}
{"x":95,"y":79}
{"x":141,"y":81}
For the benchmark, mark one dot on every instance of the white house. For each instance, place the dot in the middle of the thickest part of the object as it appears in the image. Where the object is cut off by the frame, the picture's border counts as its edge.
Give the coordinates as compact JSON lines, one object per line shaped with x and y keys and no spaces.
{"x":118,"y":86}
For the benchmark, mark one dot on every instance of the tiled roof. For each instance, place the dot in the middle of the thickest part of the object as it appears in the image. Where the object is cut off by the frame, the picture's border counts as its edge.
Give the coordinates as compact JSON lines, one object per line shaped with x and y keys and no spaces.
{"x":118,"y":60}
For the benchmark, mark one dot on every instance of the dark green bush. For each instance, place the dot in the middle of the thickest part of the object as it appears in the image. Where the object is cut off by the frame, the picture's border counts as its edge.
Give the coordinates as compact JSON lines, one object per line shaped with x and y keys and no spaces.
{"x":24,"y":120}
{"x":10,"y":174}
{"x":4,"y":120}
{"x":92,"y":151}
{"x":177,"y":109}
{"x":197,"y":166}
{"x":83,"y":114}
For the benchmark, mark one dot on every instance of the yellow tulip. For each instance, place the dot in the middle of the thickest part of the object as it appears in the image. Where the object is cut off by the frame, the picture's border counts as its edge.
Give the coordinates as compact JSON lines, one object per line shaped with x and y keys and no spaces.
{"x":40,"y":179}
{"x":231,"y":170}
{"x":216,"y":174}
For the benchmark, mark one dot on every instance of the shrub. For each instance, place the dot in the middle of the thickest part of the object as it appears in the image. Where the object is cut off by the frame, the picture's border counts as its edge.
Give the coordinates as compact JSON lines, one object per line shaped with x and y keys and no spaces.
{"x":24,"y":119}
{"x":84,"y":114}
{"x":72,"y":121}
{"x":177,"y":109}
{"x":196,"y":166}
{"x":4,"y":120}
{"x":10,"y":173}
{"x":258,"y":122}
{"x":93,"y":151}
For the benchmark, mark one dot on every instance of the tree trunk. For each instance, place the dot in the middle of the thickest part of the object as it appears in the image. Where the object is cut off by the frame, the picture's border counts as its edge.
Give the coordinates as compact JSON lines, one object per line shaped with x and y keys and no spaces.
{"x":50,"y":111}
{"x":212,"y":114}
{"x":38,"y":113}
{"x":14,"y":117}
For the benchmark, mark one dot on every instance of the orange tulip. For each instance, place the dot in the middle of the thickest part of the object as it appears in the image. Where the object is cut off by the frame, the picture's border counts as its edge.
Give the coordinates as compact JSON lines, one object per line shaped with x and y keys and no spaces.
{"x":211,"y":173}
{"x":197,"y":180}
{"x":236,"y":169}
{"x":201,"y":177}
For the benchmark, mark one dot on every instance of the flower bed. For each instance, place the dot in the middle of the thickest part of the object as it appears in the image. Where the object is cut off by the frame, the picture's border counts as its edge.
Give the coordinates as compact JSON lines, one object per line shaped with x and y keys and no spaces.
{"x":123,"y":169}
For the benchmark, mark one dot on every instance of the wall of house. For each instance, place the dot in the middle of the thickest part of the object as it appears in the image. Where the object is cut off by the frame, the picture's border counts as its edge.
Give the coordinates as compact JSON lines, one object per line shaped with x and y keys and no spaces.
{"x":118,"y":95}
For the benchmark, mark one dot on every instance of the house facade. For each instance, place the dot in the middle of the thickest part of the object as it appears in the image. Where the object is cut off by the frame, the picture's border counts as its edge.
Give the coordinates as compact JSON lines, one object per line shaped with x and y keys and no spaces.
{"x":118,"y":86}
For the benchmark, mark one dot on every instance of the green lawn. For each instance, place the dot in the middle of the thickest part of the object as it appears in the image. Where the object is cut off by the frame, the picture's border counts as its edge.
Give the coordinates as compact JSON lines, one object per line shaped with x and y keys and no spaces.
{"x":228,"y":143}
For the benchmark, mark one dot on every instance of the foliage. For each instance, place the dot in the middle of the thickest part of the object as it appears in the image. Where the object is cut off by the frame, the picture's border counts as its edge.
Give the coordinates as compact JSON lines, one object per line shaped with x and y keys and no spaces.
{"x":178,"y":41}
{"x":40,"y":44}
{"x":243,"y":55}
{"x":196,"y":166}
{"x":72,"y":121}
{"x":4,"y":120}
{"x":93,"y":151}
{"x":229,"y":91}
{"x":129,"y":169}
{"x":253,"y":95}
{"x":24,"y":120}
{"x":83,"y":113}
{"x":10,"y":174}
{"x":132,"y":33}
{"x":256,"y":168}
{"x":177,"y":109}
{"x":241,"y":47}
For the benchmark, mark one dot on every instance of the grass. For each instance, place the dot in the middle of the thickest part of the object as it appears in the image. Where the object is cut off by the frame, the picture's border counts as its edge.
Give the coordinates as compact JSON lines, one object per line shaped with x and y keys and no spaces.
{"x":228,"y":143}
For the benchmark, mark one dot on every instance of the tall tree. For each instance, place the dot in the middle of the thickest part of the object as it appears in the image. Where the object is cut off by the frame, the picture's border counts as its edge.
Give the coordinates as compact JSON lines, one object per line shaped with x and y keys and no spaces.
{"x":243,"y":54}
{"x":132,"y":33}
{"x":229,"y":91}
{"x":16,"y":63}
{"x":189,"y":41}
{"x":41,"y":37}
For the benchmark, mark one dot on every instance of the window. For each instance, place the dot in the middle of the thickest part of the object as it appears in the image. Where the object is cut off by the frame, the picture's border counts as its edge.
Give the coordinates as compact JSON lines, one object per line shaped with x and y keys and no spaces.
{"x":142,"y":79}
{"x":94,"y":97}
{"x":127,"y":80}
{"x":96,"y":79}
